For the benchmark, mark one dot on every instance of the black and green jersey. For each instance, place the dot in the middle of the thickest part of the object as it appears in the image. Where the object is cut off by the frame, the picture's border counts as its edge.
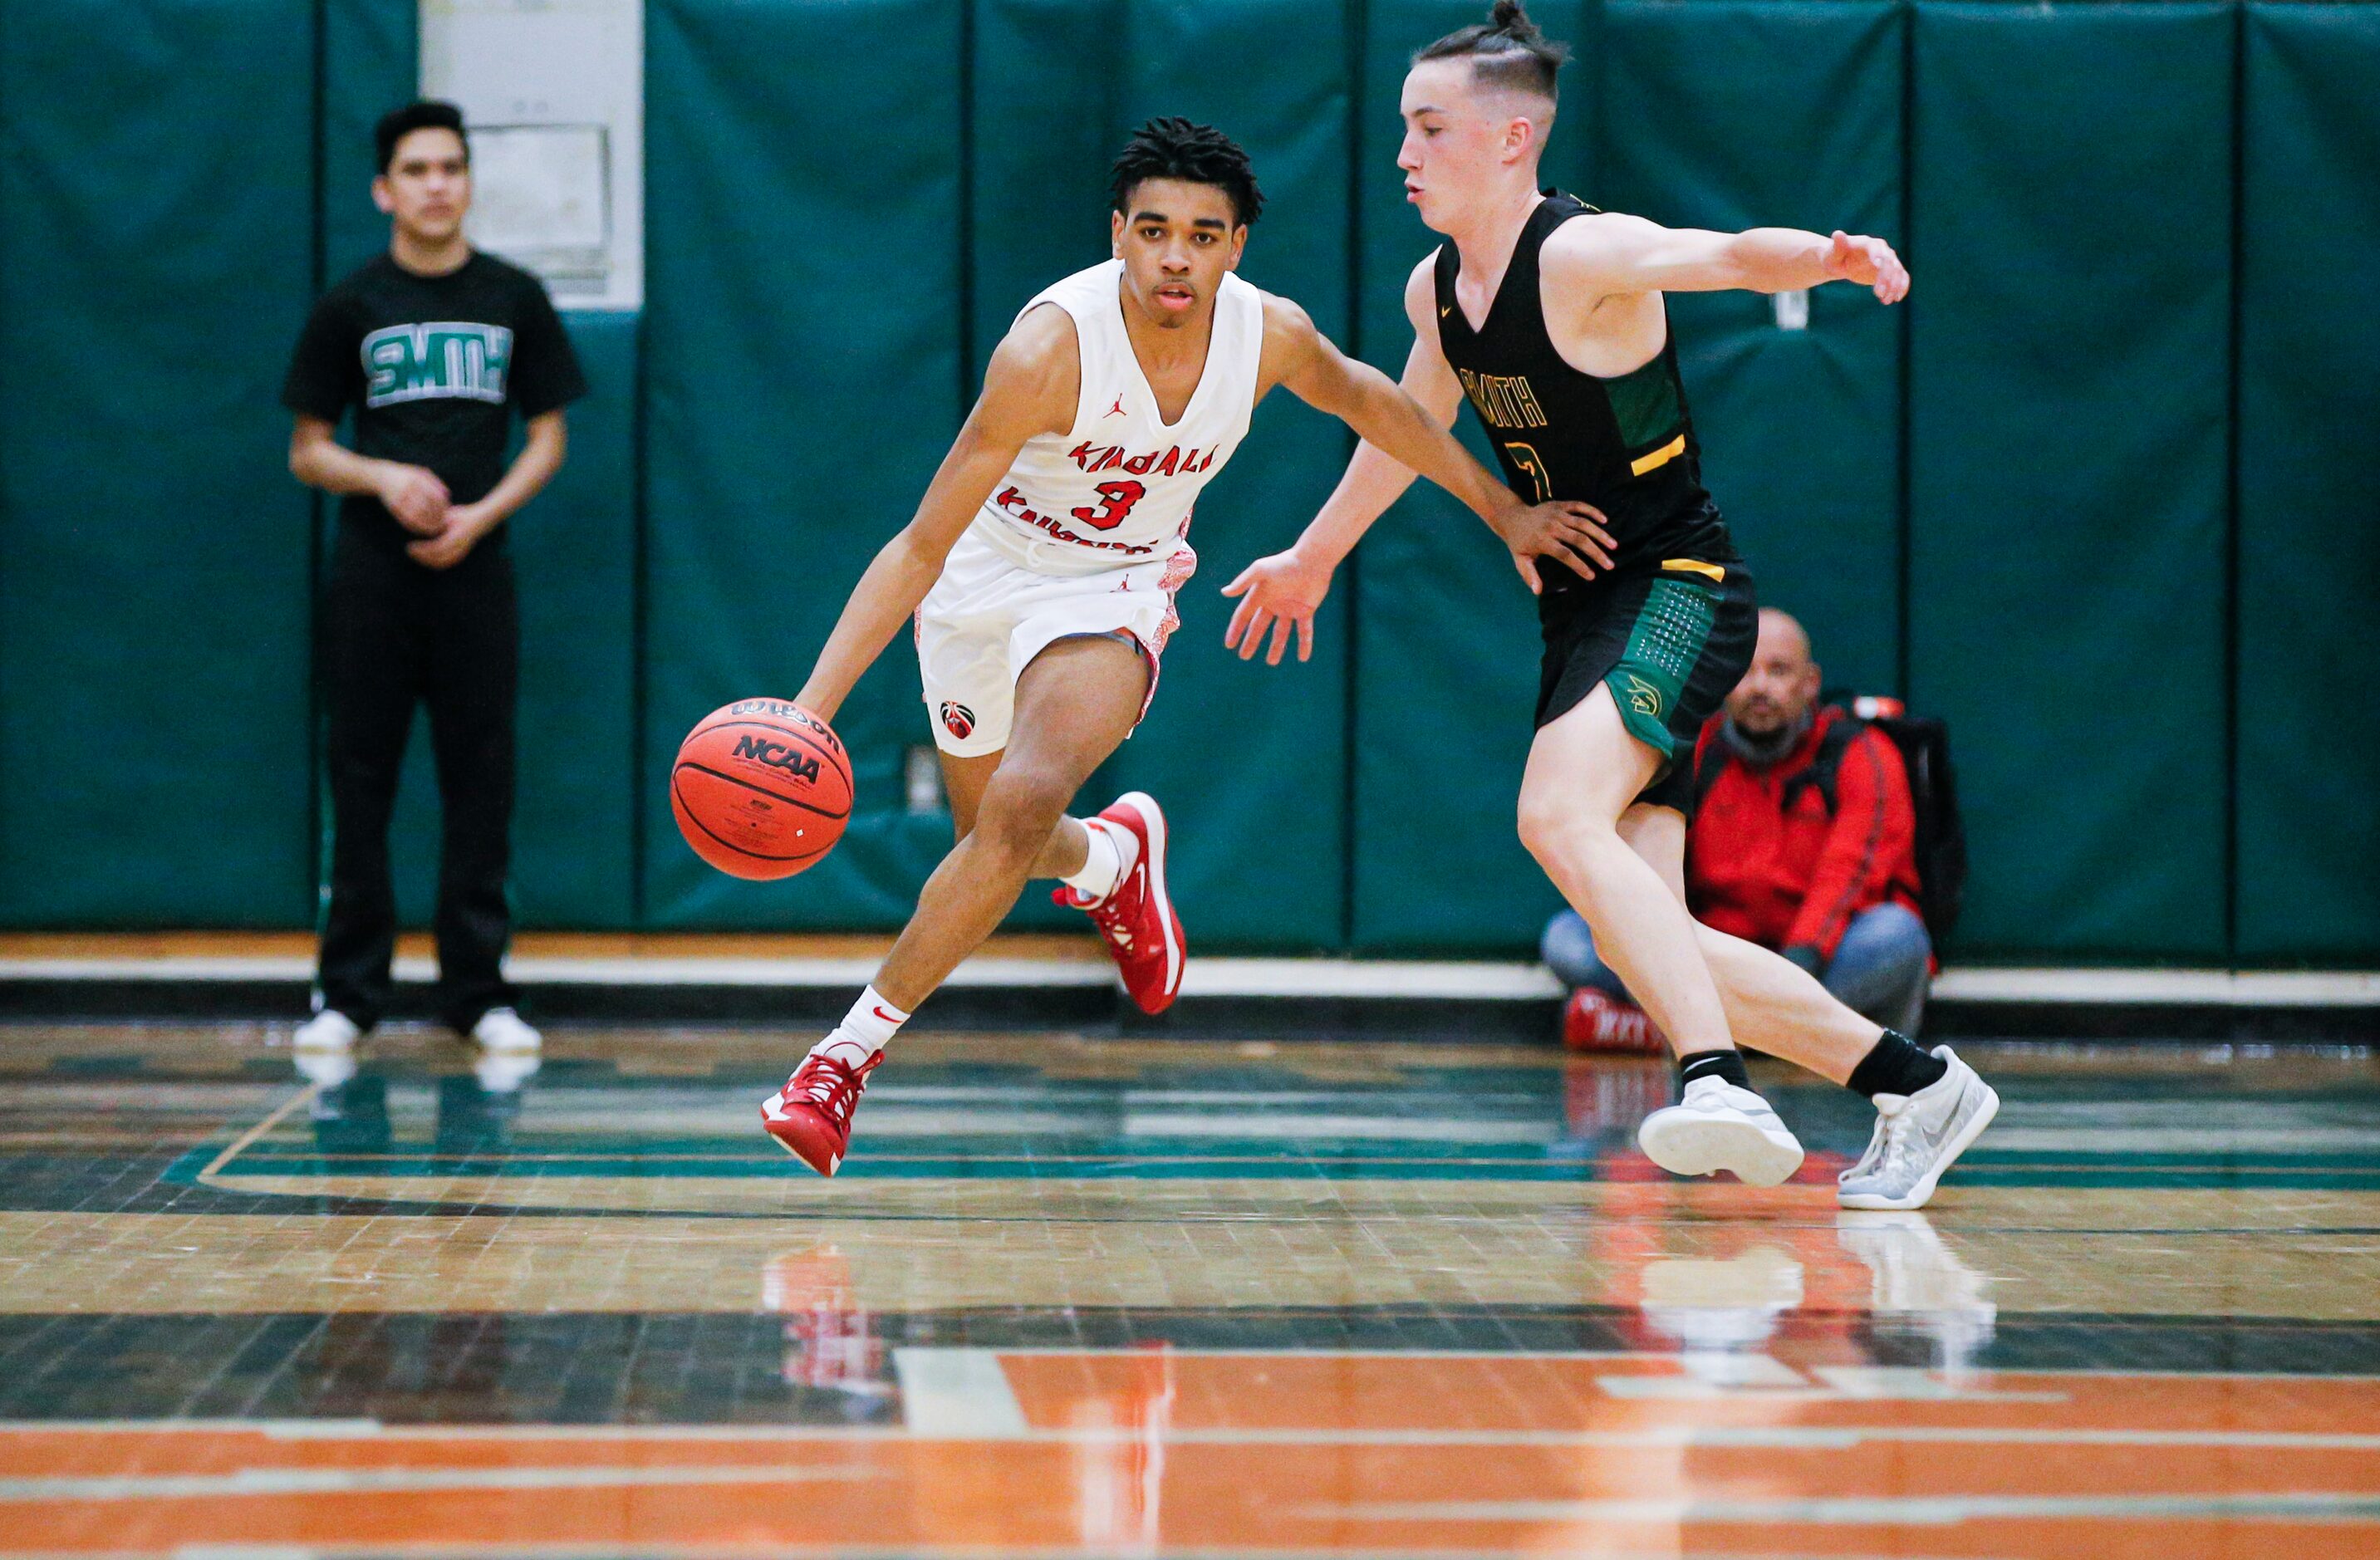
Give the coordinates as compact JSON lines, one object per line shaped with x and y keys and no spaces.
{"x":1626,"y":445}
{"x":435,"y":369}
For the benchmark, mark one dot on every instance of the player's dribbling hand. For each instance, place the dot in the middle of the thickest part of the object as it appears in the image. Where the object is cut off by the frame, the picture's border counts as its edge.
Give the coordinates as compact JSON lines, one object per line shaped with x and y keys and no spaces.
{"x":1568,"y":532}
{"x":1872,"y":264}
{"x":1278,"y":592}
{"x":415,"y":496}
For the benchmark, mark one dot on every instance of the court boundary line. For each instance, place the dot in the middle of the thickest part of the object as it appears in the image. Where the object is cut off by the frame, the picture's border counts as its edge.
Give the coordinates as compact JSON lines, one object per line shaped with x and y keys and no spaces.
{"x":239,"y":1144}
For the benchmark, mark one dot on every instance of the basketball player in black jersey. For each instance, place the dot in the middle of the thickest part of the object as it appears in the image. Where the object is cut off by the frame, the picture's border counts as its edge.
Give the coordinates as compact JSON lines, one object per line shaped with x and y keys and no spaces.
{"x":1547,"y":317}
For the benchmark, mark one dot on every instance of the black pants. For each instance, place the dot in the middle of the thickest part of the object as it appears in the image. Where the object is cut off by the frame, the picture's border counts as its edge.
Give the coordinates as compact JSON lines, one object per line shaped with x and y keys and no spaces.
{"x":394,"y":633}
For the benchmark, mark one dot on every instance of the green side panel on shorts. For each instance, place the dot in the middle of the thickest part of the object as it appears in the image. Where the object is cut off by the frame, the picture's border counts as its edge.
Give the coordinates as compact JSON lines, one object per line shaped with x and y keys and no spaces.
{"x":1736,"y":114}
{"x":155,"y":265}
{"x":2309,"y":731}
{"x":2069,"y":396}
{"x":802,"y":383}
{"x":1248,"y":761}
{"x":1671,"y":629}
{"x":1447,"y":647}
{"x":574,"y":550}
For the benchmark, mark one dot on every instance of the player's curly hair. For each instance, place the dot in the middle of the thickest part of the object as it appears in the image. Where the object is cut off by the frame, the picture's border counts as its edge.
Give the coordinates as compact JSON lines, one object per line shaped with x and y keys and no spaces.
{"x":1506,"y":50}
{"x":1176,"y":148}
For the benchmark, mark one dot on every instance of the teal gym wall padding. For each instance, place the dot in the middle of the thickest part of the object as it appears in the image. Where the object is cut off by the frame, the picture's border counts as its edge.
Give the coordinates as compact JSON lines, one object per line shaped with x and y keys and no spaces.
{"x":2069,"y":355}
{"x":2309,"y":554}
{"x":153,"y":551}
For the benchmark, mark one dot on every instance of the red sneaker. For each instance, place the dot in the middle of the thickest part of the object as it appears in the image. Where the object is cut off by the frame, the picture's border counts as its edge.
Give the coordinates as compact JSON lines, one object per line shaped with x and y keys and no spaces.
{"x":810,"y":1116}
{"x":1594,"y":1021}
{"x":1137,"y":919}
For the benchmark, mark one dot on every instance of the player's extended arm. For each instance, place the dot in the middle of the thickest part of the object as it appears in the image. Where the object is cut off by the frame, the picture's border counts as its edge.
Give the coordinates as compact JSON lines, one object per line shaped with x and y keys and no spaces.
{"x":1310,"y":367}
{"x":1404,"y":428}
{"x":1029,"y":388}
{"x":1617,"y":254}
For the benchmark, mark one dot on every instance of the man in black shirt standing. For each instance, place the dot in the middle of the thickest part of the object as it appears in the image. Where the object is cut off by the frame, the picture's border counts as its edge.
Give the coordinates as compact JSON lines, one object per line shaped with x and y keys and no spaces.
{"x":434,"y":347}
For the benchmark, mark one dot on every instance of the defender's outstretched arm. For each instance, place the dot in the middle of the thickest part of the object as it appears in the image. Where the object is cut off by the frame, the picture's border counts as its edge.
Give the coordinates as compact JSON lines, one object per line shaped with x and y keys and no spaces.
{"x":1404,"y":432}
{"x":1615,"y":254}
{"x":1029,"y":388}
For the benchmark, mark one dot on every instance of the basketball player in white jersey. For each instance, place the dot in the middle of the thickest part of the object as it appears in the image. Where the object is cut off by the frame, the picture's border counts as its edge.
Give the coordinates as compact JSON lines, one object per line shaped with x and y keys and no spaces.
{"x":1547,"y":317}
{"x":1041,"y":566}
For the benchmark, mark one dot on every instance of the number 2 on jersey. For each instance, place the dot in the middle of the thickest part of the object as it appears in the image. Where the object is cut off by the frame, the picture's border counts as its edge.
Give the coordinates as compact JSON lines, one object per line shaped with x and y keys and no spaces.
{"x":1119,"y":496}
{"x":1528,"y":460}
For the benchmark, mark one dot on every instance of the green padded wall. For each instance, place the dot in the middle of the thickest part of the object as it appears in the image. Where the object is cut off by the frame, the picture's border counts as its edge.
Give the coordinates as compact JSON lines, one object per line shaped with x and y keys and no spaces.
{"x":1447,"y":630}
{"x":1236,"y":753}
{"x":372,"y":63}
{"x":1736,"y":114}
{"x":802,"y":381}
{"x":2309,"y":727}
{"x":574,"y":549}
{"x":153,"y":553}
{"x":2069,"y":357}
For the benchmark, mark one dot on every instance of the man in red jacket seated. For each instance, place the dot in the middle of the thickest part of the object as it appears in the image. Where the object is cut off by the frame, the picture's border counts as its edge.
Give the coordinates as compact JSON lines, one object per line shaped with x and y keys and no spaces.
{"x":1833,"y":888}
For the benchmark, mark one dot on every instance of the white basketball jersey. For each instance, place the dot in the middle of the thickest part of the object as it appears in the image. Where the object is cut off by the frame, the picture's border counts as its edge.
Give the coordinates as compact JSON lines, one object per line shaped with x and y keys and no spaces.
{"x":1117,"y":489}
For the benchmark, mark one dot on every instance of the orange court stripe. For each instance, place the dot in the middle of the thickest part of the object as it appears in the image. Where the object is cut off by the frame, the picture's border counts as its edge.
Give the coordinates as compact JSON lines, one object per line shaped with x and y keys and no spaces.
{"x":1659,"y":458}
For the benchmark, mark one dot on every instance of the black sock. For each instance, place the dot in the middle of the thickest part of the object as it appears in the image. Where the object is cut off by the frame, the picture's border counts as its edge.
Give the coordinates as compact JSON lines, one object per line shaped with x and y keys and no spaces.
{"x":1898,"y":1066}
{"x":1713,"y":1064}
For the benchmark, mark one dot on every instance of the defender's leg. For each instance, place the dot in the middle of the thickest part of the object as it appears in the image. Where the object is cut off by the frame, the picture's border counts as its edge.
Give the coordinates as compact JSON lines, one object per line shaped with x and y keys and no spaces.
{"x":1586,"y":771}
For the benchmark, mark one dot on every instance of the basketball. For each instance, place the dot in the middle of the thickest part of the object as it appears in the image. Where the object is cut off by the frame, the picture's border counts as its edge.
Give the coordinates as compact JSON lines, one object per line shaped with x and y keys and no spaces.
{"x":761,"y":789}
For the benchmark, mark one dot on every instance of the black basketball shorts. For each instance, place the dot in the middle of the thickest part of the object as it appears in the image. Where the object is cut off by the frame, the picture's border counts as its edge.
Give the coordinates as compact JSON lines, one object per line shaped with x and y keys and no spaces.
{"x":1669,"y":642}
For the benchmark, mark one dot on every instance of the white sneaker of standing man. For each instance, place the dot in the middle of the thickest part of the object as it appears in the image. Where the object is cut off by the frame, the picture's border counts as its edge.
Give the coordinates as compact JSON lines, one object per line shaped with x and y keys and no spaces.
{"x":499,"y":1030}
{"x":329,"y":1030}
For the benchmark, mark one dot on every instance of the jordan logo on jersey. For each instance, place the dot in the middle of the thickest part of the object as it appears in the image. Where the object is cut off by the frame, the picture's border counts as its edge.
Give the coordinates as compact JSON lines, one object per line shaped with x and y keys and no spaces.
{"x":1503,"y":400}
{"x":445,"y":360}
{"x":1114,"y":411}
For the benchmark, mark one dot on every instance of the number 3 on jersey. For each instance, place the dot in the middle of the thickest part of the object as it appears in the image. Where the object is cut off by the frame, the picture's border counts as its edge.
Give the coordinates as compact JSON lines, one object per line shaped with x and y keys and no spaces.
{"x":1119,"y":496}
{"x":1528,"y":461}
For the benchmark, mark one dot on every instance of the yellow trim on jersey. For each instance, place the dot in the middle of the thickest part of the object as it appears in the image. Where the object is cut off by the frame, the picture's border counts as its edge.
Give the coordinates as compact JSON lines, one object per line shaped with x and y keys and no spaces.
{"x":1659,"y":458}
{"x":1696,"y":566}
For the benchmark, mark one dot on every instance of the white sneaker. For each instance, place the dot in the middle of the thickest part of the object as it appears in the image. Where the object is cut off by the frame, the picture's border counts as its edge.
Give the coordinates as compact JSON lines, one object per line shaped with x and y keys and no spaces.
{"x":329,"y":1030}
{"x":1919,"y":1136}
{"x":500,"y":1029}
{"x":1719,"y":1127}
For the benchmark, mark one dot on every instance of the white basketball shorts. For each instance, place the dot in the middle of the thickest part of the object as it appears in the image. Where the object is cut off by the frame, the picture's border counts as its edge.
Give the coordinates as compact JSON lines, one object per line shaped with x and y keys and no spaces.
{"x":989,"y":615}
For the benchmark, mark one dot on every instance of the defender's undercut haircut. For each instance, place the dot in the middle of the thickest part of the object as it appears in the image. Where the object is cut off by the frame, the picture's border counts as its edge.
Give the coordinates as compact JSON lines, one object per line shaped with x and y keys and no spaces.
{"x":1506,"y":50}
{"x":1176,"y":148}
{"x":427,"y":115}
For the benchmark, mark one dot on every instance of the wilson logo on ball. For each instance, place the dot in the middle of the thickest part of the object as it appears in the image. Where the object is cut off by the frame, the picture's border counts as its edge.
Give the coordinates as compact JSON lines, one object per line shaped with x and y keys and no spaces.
{"x":778,"y":756}
{"x":958,"y":717}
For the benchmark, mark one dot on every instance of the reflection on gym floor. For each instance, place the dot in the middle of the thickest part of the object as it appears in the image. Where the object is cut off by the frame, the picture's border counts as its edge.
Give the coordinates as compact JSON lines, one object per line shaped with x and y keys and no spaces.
{"x":1105,"y":1298}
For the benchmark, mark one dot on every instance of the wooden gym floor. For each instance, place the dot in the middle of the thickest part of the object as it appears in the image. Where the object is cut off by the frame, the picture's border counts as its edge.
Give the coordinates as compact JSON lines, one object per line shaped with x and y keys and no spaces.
{"x":1104,"y":1297}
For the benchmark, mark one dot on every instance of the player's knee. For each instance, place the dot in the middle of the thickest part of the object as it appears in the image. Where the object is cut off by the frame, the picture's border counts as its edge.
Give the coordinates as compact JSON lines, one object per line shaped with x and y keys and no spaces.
{"x":1019,"y":810}
{"x":1555,"y":829}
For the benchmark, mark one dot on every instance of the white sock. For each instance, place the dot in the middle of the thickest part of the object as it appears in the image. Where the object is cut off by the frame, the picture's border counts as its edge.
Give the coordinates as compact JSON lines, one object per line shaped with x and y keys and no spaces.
{"x":866,"y":1030}
{"x":1112,"y":855}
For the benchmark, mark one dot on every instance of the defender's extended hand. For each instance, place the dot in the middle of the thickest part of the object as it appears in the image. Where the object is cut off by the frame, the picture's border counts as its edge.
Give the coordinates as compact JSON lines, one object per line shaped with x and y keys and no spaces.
{"x":1279,"y":591}
{"x":1872,"y":264}
{"x":1569,"y":532}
